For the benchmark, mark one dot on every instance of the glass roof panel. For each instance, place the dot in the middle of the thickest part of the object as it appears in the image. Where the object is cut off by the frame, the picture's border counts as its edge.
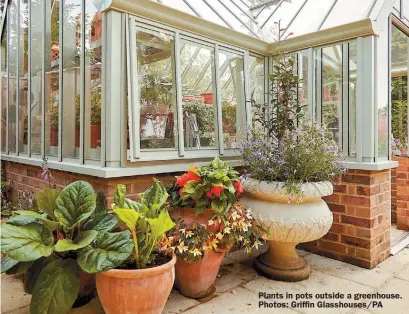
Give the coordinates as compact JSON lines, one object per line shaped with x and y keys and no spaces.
{"x":260,"y":18}
{"x":347,"y":11}
{"x":305,"y":22}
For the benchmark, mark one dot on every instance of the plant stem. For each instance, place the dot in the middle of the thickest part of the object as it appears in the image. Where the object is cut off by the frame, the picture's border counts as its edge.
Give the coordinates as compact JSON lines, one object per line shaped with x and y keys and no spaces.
{"x":135,"y":242}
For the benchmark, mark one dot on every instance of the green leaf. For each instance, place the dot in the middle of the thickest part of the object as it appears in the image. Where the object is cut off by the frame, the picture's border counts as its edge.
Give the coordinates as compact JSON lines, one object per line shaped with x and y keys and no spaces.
{"x":155,"y":196}
{"x":57,"y":287}
{"x":20,"y":268}
{"x":34,"y":271}
{"x":160,"y":225}
{"x":20,"y":220}
{"x":119,"y":195}
{"x":107,"y":251}
{"x":128,"y":216}
{"x":101,"y":204}
{"x":52,"y":225}
{"x":75,"y":203}
{"x":26,"y":243}
{"x":101,"y":222}
{"x":7,"y":263}
{"x":84,"y":239}
{"x":46,"y":201}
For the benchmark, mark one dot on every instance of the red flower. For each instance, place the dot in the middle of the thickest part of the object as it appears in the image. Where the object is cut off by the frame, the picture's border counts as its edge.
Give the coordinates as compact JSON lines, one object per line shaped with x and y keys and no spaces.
{"x":180,"y":192}
{"x":239,"y":187}
{"x":217,"y":190}
{"x":60,"y":236}
{"x":187,"y":177}
{"x":209,"y":193}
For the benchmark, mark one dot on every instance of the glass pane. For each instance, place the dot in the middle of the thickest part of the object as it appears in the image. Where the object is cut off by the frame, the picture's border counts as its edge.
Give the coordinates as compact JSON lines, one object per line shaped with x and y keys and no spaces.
{"x":93,"y":77}
{"x":3,"y":95}
{"x":13,"y":50}
{"x":71,"y":59}
{"x":52,"y":85}
{"x":302,"y":58}
{"x":352,"y":98}
{"x":198,"y":88}
{"x":399,"y":90}
{"x":257,"y":88}
{"x":332,"y":90}
{"x":157,"y":90}
{"x":232,"y":93}
{"x":36,"y":74}
{"x":310,"y":18}
{"x":23,"y":73}
{"x":347,"y":11}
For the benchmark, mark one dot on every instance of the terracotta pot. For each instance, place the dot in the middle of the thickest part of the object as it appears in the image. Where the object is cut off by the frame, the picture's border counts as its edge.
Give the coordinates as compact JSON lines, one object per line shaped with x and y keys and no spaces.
{"x":197,"y":280}
{"x":53,"y":136}
{"x":326,"y":94}
{"x":208,"y":98}
{"x":77,"y":137}
{"x":95,"y":136}
{"x":188,"y":215}
{"x":136,"y":291}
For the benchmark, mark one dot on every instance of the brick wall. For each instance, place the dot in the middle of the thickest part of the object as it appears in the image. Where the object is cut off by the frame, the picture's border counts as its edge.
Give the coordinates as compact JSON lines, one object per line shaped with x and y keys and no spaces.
{"x":360,"y":234}
{"x":28,"y":178}
{"x":400,"y":193}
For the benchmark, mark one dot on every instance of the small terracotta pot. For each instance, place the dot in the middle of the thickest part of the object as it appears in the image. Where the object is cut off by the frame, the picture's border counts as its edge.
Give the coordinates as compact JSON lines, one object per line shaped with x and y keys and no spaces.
{"x":53,"y":136}
{"x":136,"y":291}
{"x":197,"y":280}
{"x":95,"y":136}
{"x":188,"y":215}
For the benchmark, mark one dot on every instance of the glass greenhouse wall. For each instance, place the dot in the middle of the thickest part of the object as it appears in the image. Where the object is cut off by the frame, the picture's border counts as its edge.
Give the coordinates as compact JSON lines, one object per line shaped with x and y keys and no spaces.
{"x":116,"y":88}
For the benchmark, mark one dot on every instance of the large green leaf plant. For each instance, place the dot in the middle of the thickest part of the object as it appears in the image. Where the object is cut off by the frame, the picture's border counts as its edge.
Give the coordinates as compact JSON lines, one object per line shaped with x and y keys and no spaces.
{"x":52,"y":244}
{"x":148,"y":220}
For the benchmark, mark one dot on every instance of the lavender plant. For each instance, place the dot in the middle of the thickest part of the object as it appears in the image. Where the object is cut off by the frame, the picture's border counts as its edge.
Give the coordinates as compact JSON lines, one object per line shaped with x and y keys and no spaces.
{"x":306,"y":154}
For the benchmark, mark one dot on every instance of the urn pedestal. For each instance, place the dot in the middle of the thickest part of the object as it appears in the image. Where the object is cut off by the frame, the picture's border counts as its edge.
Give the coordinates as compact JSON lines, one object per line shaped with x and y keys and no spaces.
{"x":288,"y":223}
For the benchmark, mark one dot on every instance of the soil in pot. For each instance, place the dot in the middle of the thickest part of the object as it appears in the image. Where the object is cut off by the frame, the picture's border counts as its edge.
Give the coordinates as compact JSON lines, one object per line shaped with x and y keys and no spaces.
{"x":197,"y":280}
{"x":136,"y":291}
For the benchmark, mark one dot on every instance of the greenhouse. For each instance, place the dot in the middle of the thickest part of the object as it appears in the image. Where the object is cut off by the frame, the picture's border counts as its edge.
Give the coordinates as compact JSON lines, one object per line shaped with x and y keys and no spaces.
{"x":125,"y":90}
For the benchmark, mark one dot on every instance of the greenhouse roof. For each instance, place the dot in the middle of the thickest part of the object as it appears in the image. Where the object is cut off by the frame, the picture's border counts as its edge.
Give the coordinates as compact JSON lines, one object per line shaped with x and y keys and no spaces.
{"x":277,"y":20}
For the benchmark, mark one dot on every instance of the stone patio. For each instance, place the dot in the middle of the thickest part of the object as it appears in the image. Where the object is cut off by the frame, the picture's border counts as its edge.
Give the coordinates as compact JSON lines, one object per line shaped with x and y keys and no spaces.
{"x":238,"y":287}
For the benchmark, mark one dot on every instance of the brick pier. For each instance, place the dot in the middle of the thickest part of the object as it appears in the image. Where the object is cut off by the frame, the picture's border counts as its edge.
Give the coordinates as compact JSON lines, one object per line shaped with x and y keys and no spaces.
{"x":400,"y":193}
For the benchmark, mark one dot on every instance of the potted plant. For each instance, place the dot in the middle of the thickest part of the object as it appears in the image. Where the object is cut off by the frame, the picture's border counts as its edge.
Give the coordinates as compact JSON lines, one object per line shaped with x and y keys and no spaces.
{"x":95,"y":119}
{"x":143,"y":282}
{"x":200,"y":247}
{"x":203,"y":196}
{"x":288,"y":172}
{"x":49,"y":246}
{"x":54,"y":125}
{"x":77,"y":121}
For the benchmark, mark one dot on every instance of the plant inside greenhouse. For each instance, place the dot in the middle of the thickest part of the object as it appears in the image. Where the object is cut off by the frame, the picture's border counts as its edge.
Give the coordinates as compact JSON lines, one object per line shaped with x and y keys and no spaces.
{"x":247,"y":150}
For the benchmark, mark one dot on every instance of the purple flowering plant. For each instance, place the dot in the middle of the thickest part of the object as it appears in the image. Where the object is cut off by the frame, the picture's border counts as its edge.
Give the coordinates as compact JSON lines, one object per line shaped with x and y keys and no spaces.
{"x":306,"y":154}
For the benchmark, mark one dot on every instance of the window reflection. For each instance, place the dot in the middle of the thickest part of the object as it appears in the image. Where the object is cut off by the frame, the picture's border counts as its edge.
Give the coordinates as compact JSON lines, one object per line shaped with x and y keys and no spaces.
{"x":232,"y":97}
{"x":13,"y":50}
{"x":332,"y":90}
{"x":3,"y":95}
{"x":155,"y":62}
{"x":23,"y":77}
{"x":198,"y":90}
{"x":257,"y":88}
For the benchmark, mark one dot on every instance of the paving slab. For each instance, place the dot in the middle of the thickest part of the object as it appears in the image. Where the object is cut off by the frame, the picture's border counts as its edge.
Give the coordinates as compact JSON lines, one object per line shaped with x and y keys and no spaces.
{"x":318,"y":283}
{"x":375,"y":277}
{"x":403,"y":274}
{"x":239,"y":301}
{"x":232,"y":275}
{"x":402,"y":257}
{"x":177,"y":303}
{"x":13,"y":296}
{"x":395,"y":306}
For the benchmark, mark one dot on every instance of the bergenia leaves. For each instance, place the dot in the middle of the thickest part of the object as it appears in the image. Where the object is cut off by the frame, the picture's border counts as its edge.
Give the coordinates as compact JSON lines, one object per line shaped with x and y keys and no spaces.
{"x":26,"y":243}
{"x":56,"y":288}
{"x":160,"y":225}
{"x":75,"y":203}
{"x":34,"y":271}
{"x":52,"y":225}
{"x":107,"y":251}
{"x":101,"y":222}
{"x":83,"y":239}
{"x":154,"y":197}
{"x":45,"y":200}
{"x":128,"y":216}
{"x":7,"y":263}
{"x":101,"y":204}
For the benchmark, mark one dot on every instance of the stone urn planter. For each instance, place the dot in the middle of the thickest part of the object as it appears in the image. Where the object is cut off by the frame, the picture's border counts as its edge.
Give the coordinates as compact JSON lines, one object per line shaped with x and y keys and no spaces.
{"x":288,"y":223}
